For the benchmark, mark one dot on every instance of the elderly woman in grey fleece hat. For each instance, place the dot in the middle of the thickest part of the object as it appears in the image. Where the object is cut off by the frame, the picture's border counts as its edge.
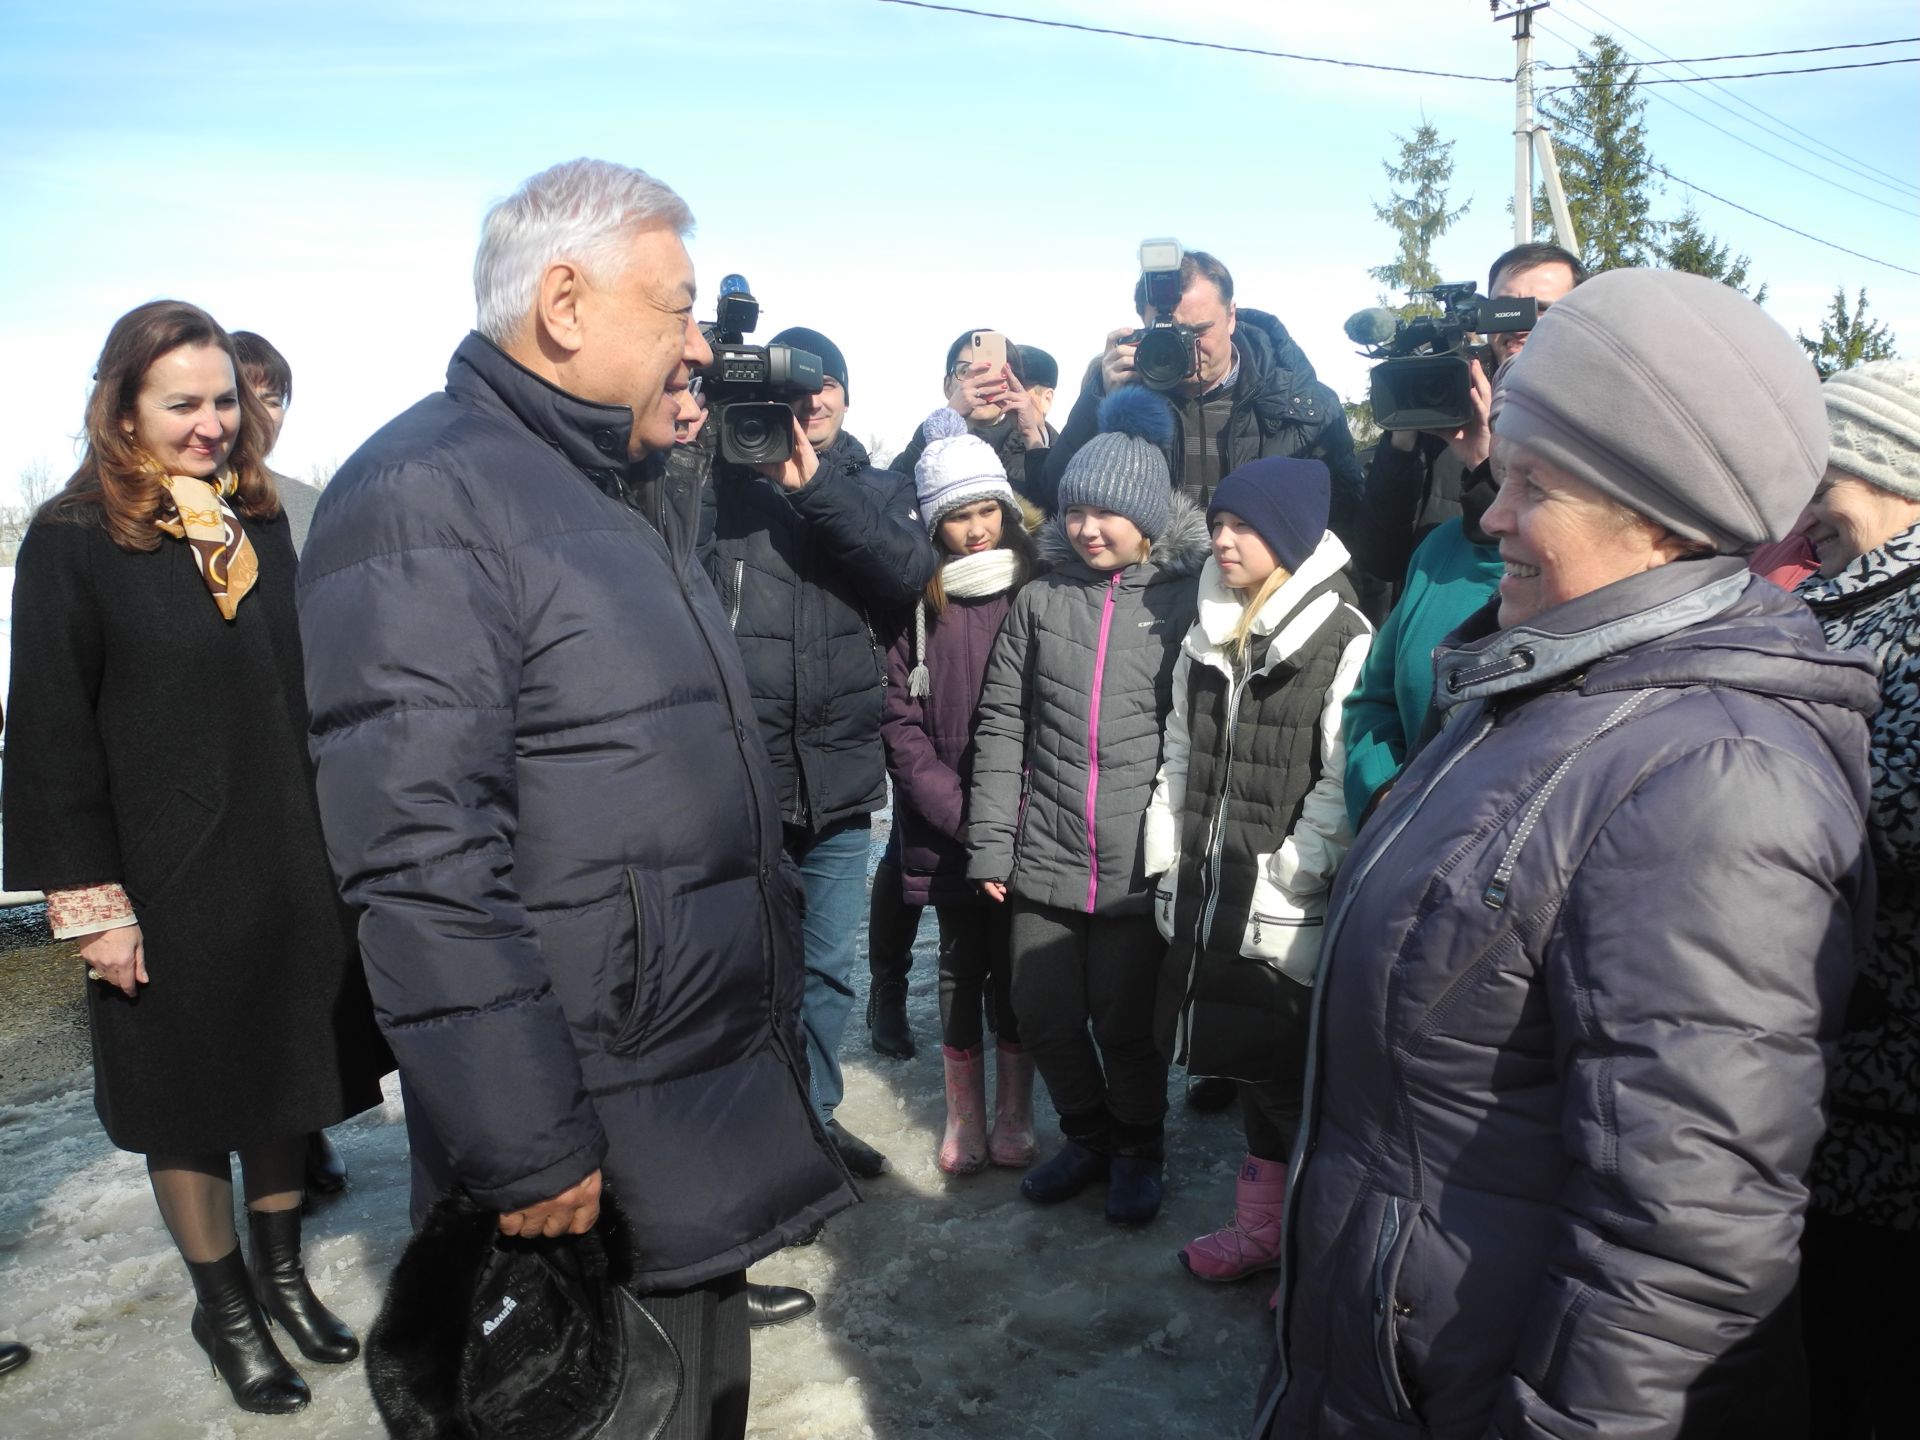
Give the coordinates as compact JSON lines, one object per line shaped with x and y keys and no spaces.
{"x":1585,"y":965}
{"x":1863,"y":1228}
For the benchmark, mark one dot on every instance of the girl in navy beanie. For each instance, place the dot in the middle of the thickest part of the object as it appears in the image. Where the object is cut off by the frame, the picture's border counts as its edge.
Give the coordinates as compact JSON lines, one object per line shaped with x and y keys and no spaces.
{"x":1249,"y":822}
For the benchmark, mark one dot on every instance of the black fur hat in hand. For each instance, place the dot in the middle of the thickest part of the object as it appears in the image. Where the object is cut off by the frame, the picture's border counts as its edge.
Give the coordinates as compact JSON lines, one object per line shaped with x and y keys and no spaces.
{"x":482,"y":1337}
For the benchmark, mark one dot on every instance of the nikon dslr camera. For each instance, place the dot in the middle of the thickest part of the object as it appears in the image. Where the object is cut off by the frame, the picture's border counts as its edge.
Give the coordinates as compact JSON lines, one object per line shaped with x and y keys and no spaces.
{"x":749,"y":386}
{"x":1165,"y":353}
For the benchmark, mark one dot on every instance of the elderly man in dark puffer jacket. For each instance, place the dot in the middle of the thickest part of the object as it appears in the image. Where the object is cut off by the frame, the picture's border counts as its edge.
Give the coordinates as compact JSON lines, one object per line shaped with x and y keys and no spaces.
{"x":540,"y":776}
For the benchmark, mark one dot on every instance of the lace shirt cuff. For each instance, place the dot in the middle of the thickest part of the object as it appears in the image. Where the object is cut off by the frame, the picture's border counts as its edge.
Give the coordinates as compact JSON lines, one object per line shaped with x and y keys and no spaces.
{"x":88,"y":910}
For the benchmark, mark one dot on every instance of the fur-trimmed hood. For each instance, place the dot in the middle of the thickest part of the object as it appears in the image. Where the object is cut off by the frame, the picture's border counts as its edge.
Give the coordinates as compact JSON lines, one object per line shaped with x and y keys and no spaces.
{"x":1179,"y":550}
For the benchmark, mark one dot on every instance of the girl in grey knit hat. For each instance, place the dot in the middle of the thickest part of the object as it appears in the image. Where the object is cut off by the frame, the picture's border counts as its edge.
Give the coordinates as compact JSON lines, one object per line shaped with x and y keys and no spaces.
{"x":1066,"y":749}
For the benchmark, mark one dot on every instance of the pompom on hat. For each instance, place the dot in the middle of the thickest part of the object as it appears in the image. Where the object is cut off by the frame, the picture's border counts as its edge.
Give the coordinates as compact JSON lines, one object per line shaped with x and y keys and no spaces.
{"x":1873,"y":421}
{"x":955,"y":471}
{"x":1124,"y":467}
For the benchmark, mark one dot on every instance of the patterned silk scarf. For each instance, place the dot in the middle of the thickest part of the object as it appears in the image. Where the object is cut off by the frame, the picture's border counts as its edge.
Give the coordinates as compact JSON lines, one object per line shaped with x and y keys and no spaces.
{"x":220,"y":547}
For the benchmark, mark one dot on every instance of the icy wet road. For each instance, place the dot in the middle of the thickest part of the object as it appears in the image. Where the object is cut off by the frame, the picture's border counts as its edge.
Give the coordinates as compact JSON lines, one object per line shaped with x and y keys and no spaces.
{"x":947,"y":1307}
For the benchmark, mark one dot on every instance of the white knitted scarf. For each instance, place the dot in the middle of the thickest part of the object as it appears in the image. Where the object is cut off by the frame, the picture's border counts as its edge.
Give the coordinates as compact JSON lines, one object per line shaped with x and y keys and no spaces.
{"x":964,"y":577}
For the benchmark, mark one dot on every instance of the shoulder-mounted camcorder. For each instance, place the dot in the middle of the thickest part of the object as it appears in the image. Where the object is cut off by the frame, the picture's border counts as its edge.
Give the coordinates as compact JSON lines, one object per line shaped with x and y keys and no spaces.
{"x":1422,"y":381}
{"x":750,"y":386}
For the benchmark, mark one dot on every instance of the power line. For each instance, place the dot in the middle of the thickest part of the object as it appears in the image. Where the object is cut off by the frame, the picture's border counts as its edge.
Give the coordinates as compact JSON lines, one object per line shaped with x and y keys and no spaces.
{"x":1768,"y":54}
{"x":1744,"y":210}
{"x":1763,"y":74}
{"x":1741,"y":139}
{"x":1834,"y":155}
{"x":1195,"y":44}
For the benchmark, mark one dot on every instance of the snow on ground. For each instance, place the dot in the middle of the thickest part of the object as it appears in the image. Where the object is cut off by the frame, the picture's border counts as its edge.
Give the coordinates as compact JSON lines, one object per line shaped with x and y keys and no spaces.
{"x":948,"y":1307}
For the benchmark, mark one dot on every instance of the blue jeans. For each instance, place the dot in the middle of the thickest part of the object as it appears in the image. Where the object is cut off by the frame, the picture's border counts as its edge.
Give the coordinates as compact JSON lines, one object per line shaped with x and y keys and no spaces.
{"x":833,"y":868}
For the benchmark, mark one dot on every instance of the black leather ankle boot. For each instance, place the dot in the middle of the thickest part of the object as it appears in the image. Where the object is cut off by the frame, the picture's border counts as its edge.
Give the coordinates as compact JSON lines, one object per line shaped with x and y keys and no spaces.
{"x":281,"y":1282}
{"x":228,"y":1325}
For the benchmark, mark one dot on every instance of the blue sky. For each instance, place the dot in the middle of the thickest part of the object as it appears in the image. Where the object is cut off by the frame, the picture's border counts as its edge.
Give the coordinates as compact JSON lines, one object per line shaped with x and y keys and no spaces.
{"x":889,"y":176}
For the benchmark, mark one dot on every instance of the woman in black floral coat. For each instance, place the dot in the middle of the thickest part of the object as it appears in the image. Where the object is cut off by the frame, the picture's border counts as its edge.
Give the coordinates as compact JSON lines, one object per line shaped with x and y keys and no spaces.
{"x":1862,"y":1251}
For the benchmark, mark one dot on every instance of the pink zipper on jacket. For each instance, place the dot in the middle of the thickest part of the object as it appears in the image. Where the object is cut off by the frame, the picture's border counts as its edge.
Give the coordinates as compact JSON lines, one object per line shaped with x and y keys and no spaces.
{"x":1093,"y":743}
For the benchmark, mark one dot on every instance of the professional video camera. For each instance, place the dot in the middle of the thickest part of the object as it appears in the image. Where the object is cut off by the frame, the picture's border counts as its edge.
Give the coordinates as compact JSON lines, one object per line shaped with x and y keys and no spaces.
{"x":749,"y":385}
{"x":1422,"y":381}
{"x":1165,"y":353}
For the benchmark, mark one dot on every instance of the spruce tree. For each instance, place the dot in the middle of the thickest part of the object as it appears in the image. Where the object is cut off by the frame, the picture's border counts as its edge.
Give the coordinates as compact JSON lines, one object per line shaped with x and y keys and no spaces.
{"x":1416,"y":211}
{"x":1848,"y":338}
{"x":1600,"y":137}
{"x":1687,"y":246}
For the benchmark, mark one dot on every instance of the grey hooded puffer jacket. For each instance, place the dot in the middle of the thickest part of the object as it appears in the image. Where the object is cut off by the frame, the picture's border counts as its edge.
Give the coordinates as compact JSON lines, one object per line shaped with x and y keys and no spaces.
{"x":1068,"y":738}
{"x":1583,"y":977}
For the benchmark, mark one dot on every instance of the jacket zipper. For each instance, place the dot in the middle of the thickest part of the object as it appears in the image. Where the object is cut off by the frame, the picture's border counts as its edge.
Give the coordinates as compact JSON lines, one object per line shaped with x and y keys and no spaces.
{"x":793,"y":1068}
{"x":739,"y":580}
{"x":1304,"y":1138}
{"x":1216,"y":844}
{"x":1383,"y":1311}
{"x":1495,"y":895}
{"x":1093,"y":743}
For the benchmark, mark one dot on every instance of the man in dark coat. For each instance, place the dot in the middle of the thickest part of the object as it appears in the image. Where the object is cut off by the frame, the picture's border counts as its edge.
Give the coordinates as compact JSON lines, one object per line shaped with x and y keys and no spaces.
{"x":540,"y":776}
{"x":807,"y":566}
{"x":1252,"y":395}
{"x":1417,"y":480}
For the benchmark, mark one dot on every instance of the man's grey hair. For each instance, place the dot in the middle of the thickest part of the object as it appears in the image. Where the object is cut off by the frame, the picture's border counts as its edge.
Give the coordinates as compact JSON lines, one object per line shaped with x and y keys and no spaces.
{"x":584,"y":211}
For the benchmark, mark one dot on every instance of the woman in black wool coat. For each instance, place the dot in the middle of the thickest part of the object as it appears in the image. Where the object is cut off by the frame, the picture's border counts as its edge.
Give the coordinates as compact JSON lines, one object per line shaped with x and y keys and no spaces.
{"x":158,"y":789}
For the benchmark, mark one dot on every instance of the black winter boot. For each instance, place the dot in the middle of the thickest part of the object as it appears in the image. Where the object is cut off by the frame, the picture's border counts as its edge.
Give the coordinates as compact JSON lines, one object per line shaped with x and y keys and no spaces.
{"x":1134,"y":1183}
{"x":1082,"y":1158}
{"x":280,"y":1279}
{"x":892,"y":926}
{"x":887,"y":1019}
{"x":228,"y":1325}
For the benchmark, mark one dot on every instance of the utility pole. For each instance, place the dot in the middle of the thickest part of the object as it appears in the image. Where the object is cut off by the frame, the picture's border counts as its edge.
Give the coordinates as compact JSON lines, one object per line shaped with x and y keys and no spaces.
{"x":1531,"y":139}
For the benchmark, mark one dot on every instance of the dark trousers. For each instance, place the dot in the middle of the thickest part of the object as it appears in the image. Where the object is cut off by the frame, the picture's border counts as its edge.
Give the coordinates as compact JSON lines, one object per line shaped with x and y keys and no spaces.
{"x":1270,"y":1111}
{"x":1074,"y":974}
{"x":975,"y":974}
{"x":708,"y":1326}
{"x":1857,"y":1284}
{"x":892,"y":924}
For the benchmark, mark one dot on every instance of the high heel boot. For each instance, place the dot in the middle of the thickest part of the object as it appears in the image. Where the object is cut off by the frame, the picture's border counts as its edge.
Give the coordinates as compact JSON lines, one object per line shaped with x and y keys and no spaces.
{"x":280,"y":1279}
{"x":228,"y":1325}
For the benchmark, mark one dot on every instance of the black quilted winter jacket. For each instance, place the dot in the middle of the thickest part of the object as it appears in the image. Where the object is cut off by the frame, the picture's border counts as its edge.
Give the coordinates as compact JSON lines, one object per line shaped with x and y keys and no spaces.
{"x":539,"y":775}
{"x":810,"y":580}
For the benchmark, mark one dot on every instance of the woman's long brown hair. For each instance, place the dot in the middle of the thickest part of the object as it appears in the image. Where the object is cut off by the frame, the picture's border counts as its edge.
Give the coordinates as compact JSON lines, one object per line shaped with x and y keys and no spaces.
{"x":1014,"y":536}
{"x":115,"y":486}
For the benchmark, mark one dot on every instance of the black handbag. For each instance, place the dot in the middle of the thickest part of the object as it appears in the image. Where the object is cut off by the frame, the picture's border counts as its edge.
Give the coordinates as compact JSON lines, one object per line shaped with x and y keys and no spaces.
{"x":485,"y":1337}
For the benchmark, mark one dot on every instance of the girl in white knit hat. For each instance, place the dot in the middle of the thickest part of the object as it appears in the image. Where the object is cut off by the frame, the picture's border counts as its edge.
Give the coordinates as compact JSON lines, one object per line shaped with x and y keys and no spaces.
{"x":935,"y":668}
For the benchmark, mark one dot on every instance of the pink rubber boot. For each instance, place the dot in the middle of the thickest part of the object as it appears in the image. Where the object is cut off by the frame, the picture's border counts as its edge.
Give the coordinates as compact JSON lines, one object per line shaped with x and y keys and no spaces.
{"x":1251,"y":1240}
{"x":1012,"y":1143}
{"x":963,"y":1149}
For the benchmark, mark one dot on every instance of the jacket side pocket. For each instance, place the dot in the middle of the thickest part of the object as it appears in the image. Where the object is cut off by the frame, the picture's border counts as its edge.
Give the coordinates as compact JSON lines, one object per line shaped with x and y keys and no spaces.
{"x":645,"y":1001}
{"x":1284,"y":929}
{"x":160,"y":853}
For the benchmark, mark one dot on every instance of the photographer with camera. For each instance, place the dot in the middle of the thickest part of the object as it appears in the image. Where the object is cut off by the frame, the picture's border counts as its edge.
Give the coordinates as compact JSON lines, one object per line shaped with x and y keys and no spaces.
{"x":809,"y":553}
{"x":1416,"y":479}
{"x":1240,"y":388}
{"x":987,"y":385}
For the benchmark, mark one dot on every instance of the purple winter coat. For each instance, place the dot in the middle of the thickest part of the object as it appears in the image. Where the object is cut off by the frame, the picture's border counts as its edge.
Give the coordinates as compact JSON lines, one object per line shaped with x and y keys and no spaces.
{"x":1584,"y":972}
{"x":928,"y":741}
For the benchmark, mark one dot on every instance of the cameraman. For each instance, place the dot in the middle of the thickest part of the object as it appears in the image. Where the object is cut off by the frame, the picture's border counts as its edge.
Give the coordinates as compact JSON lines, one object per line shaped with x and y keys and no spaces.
{"x":1419,"y":478}
{"x":806,"y":556}
{"x":998,"y":406}
{"x":1253,"y":395}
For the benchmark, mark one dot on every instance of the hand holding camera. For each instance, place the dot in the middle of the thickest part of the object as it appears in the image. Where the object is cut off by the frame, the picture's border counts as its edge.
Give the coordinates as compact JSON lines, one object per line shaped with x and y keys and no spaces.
{"x":799,"y":465}
{"x":1116,"y":361}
